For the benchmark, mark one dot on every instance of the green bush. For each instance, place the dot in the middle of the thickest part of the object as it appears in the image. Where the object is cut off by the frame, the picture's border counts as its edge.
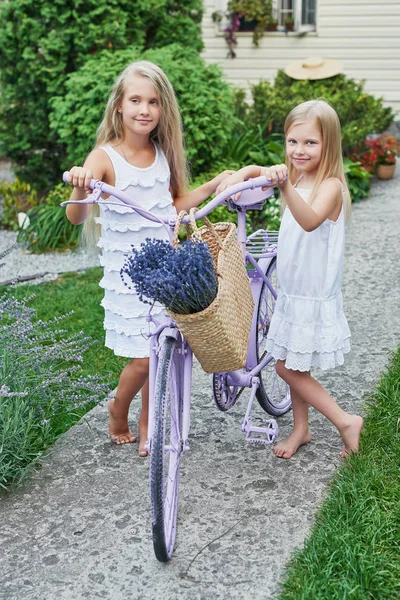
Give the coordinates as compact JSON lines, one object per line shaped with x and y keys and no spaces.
{"x":248,"y":145}
{"x":360,"y":113}
{"x":49,"y":228}
{"x":358,"y":180}
{"x":205,"y":100}
{"x":42,"y":41}
{"x":18,"y":196}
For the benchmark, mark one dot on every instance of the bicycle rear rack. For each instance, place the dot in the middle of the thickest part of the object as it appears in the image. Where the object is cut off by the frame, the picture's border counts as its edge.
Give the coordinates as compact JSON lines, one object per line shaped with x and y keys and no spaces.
{"x":262,"y":243}
{"x":254,"y":434}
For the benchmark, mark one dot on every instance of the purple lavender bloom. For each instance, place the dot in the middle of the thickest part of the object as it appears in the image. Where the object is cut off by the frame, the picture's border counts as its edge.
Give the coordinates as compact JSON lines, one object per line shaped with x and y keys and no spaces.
{"x":182,"y":279}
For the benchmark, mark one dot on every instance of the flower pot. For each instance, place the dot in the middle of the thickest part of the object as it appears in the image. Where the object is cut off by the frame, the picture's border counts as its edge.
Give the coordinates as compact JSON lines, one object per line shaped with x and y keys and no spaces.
{"x":385,"y":171}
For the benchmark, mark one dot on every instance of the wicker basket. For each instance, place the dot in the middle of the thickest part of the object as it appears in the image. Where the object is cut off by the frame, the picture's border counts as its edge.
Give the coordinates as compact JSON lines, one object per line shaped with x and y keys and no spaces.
{"x":219,"y":335}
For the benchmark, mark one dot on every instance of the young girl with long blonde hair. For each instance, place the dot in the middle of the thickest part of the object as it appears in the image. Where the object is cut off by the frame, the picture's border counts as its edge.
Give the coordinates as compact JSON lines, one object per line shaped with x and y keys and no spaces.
{"x":139,"y":149}
{"x":308,"y":327}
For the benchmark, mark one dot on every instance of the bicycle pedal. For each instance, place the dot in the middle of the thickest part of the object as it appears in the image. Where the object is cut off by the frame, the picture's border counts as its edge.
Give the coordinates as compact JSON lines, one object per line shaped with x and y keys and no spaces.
{"x":262,"y":435}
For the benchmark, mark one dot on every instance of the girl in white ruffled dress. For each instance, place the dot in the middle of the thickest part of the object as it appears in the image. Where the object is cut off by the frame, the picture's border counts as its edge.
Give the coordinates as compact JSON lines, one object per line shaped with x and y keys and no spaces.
{"x":139,"y":150}
{"x":308,"y":327}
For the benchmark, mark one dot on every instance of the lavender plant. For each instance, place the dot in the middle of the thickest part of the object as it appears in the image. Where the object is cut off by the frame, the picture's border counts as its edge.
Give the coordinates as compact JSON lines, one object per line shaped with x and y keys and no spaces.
{"x":182,"y":279}
{"x":41,"y":385}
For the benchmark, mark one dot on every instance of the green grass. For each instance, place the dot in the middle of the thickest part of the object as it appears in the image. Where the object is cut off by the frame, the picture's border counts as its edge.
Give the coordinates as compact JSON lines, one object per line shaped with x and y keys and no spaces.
{"x":81,"y":293}
{"x":353,"y":552}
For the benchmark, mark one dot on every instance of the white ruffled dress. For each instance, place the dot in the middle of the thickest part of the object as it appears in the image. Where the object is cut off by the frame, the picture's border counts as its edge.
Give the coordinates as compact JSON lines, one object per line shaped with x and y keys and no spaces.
{"x":308,"y":327}
{"x":121,"y":228}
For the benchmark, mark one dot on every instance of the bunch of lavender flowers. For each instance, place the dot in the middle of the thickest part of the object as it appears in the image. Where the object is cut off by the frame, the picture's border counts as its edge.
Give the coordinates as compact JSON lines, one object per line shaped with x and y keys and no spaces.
{"x":182,"y":279}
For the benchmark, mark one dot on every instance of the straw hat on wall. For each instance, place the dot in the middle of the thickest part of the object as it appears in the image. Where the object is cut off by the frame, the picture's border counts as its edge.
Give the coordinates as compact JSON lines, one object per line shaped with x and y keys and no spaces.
{"x":314,"y":67}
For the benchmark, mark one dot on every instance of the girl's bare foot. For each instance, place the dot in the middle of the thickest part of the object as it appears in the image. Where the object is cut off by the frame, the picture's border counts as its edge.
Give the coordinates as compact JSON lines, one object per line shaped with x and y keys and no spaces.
{"x":288,"y":447}
{"x":350,"y":434}
{"x":142,"y":436}
{"x":118,"y":425}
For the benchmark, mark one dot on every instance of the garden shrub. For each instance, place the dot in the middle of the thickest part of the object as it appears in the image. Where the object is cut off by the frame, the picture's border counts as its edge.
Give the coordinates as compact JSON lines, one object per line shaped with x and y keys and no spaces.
{"x":18,"y":196}
{"x":205,"y":100}
{"x":49,"y":228}
{"x":360,"y":113}
{"x":248,"y":145}
{"x":42,"y":41}
{"x":358,"y":180}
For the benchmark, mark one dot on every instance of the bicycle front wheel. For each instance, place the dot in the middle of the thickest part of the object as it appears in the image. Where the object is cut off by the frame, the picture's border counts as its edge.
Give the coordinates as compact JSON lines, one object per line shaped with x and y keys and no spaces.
{"x":166,"y":447}
{"x":273,"y":393}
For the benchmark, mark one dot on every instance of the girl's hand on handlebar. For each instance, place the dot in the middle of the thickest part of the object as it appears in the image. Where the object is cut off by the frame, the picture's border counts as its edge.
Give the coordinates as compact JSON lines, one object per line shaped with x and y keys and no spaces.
{"x":232,"y":178}
{"x":80,"y":178}
{"x":278,"y":174}
{"x":216,"y":182}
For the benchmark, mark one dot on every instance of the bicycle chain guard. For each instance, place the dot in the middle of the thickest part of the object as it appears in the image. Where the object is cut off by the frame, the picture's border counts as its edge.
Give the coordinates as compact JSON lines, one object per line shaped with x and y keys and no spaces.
{"x":225,"y":395}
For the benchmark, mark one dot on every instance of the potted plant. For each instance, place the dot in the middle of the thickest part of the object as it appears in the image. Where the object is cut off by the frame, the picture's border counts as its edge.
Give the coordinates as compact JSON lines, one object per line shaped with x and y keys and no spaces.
{"x":272,"y":25}
{"x":289,"y":24}
{"x":386,"y":148}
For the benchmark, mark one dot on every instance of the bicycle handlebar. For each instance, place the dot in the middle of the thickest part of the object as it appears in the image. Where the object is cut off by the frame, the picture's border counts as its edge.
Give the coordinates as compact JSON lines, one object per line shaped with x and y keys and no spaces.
{"x":251,"y":190}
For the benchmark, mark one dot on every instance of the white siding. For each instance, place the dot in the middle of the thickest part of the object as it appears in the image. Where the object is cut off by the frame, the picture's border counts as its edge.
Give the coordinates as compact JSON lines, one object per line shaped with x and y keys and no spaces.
{"x":363,"y":34}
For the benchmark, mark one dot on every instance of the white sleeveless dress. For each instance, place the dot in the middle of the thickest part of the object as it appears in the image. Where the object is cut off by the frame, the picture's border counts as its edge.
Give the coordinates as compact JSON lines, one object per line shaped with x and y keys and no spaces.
{"x":308,"y":327}
{"x":121,"y":228}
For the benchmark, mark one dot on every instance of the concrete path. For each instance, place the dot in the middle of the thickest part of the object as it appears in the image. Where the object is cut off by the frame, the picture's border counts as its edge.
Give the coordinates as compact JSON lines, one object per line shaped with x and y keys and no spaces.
{"x":81,"y":528}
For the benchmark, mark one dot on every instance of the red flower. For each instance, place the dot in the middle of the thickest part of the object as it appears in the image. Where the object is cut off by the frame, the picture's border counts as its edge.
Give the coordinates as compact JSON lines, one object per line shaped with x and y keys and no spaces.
{"x":380,"y":151}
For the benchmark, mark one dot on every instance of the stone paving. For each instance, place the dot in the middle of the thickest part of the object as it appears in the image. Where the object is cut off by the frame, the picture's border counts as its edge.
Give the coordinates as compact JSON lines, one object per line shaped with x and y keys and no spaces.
{"x":81,"y":527}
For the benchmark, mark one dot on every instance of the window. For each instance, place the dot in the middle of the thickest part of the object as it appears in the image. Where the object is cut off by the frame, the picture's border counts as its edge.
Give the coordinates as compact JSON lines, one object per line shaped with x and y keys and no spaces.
{"x":284,"y":10}
{"x":308,"y":13}
{"x":290,"y":15}
{"x":298,"y":15}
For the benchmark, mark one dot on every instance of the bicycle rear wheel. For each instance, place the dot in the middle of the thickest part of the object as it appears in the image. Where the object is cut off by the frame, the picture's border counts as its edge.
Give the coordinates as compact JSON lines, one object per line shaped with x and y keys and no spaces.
{"x":273,"y":393}
{"x":166,"y":447}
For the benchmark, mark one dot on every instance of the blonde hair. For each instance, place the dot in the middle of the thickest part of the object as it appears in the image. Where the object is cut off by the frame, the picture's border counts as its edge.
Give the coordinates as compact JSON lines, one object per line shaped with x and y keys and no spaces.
{"x":327,"y":121}
{"x":168,"y":134}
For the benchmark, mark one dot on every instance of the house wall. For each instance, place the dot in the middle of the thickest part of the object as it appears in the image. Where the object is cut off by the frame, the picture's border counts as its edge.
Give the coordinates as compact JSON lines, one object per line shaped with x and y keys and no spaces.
{"x":363,"y":34}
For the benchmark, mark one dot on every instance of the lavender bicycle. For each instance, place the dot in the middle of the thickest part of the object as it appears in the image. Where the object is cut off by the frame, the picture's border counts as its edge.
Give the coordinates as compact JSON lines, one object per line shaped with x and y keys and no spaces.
{"x":171,"y":360}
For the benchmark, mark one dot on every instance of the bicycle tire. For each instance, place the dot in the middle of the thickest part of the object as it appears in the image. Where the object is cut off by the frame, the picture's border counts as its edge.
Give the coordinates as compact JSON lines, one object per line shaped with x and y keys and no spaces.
{"x":273,"y":393}
{"x":166,"y":448}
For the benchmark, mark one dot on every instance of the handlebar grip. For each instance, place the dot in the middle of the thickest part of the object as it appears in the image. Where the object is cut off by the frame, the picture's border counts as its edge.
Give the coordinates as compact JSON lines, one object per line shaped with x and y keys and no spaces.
{"x":260,"y":181}
{"x":92,"y":183}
